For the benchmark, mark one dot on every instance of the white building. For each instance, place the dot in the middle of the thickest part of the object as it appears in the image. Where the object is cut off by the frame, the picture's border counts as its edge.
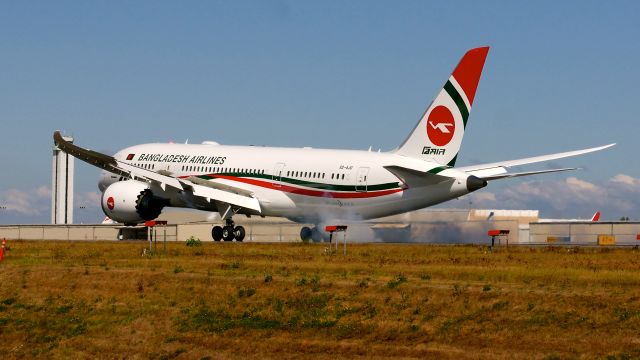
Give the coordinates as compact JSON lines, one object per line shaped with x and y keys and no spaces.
{"x":62,"y":186}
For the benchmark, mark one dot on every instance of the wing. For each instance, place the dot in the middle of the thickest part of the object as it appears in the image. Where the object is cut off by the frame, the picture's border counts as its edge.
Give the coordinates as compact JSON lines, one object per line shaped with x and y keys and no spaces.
{"x":218,"y":193}
{"x":498,"y":170}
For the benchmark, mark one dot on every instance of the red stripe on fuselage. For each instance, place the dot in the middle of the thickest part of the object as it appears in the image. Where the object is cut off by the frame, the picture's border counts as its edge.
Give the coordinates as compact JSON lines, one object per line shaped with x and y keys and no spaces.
{"x":307,"y":192}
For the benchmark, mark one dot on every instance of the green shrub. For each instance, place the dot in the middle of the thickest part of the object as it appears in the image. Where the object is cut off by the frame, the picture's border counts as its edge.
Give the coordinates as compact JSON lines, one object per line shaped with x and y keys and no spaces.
{"x":193,"y":241}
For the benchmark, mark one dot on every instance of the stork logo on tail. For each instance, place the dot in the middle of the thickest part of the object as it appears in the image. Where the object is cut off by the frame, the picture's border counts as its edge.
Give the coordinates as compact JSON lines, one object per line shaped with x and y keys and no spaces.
{"x":440,"y":126}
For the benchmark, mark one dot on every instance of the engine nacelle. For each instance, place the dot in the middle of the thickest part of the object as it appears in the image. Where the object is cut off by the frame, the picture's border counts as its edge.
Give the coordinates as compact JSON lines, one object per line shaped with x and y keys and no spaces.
{"x":131,"y":202}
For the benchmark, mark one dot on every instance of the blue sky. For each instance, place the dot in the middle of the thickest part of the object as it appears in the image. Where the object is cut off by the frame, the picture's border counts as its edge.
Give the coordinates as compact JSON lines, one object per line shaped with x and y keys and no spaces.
{"x":559,"y":76}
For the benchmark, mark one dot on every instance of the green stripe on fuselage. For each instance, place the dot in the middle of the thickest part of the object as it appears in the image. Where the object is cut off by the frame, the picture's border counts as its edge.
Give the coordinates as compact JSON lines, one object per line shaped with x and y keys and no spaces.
{"x":309,"y":184}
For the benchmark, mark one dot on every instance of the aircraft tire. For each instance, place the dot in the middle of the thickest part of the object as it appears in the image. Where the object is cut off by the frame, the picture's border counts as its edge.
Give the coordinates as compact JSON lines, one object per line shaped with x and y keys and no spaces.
{"x":239,"y":233}
{"x":227,"y":233}
{"x":305,"y":234}
{"x":216,"y":233}
{"x":316,"y":235}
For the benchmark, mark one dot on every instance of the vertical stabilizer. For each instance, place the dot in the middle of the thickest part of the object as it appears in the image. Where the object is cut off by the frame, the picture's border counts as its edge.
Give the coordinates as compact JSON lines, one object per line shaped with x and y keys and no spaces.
{"x":438,"y":135}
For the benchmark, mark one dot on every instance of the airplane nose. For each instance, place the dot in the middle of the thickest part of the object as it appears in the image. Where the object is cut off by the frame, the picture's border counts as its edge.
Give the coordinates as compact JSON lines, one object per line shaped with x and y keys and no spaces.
{"x":474,"y":183}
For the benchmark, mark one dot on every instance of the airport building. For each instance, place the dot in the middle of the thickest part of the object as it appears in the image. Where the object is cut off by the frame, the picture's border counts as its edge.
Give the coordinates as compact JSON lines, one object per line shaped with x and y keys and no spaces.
{"x":62,"y":186}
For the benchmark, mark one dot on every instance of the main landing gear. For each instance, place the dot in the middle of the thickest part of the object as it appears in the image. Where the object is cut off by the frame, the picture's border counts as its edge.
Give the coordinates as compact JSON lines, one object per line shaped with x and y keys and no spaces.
{"x":228,"y":232}
{"x":311,"y":234}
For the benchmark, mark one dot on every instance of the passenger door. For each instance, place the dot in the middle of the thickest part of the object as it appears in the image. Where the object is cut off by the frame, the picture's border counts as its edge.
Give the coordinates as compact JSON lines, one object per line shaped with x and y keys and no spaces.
{"x":361,"y":179}
{"x":277,"y":174}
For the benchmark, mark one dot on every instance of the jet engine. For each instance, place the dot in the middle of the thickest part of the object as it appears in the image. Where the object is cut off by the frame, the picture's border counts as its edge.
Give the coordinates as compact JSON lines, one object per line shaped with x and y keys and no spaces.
{"x":131,"y":202}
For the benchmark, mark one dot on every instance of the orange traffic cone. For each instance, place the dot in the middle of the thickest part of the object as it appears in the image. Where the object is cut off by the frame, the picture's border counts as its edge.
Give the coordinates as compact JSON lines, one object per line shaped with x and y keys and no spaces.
{"x":4,"y":242}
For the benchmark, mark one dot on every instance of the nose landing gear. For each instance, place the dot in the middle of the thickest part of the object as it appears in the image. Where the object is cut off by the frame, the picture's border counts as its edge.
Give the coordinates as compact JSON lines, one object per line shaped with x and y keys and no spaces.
{"x":229,"y":232}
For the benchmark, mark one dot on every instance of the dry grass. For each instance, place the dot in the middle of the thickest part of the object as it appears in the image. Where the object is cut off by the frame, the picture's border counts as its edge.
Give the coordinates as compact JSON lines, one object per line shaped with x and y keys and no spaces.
{"x":89,"y":299}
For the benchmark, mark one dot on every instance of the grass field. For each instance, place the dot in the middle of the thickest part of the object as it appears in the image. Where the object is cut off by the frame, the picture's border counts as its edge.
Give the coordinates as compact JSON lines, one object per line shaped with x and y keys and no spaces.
{"x":227,"y":300}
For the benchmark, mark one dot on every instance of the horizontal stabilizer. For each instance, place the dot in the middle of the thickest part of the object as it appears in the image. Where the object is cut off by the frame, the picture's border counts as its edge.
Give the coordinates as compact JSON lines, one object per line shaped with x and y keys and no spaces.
{"x":415,"y":178}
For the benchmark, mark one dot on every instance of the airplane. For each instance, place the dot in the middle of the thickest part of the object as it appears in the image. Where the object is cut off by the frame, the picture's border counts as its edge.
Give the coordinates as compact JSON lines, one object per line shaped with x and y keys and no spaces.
{"x":306,"y":185}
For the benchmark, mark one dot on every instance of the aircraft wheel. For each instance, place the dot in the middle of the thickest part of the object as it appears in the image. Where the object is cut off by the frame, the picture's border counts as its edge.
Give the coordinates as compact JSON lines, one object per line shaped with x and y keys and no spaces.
{"x":306,"y":234}
{"x":227,"y":233}
{"x":316,"y":235}
{"x":216,"y":233}
{"x":239,"y":233}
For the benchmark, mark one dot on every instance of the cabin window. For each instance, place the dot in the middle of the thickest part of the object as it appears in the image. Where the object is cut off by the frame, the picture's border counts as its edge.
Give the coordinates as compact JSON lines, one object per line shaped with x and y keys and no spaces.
{"x":342,"y":176}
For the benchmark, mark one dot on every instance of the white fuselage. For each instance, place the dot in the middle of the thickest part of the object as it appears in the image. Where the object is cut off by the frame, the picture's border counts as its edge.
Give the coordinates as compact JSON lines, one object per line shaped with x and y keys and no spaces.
{"x":306,"y":185}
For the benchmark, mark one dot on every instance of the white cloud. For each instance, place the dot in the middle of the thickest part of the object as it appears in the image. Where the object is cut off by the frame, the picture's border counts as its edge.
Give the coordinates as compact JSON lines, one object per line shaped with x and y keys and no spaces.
{"x":26,"y":202}
{"x":580,"y":185}
{"x":35,"y":204}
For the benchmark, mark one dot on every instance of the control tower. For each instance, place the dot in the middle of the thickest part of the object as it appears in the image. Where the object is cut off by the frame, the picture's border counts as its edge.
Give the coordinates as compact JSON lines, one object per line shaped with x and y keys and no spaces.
{"x":62,"y":186}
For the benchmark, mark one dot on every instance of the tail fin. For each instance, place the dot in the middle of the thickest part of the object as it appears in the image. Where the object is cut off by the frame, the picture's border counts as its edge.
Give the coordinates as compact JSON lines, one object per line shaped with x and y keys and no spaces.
{"x":438,"y":135}
{"x":596,"y":217}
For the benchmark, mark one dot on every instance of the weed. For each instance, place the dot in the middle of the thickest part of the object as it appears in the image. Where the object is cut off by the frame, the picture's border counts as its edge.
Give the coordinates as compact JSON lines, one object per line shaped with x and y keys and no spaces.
{"x":458,"y":290}
{"x":178,"y":269}
{"x":363,"y":284}
{"x":486,"y":287}
{"x":425,"y":277}
{"x":268,"y":278}
{"x":64,"y":309}
{"x":233,"y":265}
{"x":624,"y":314}
{"x":193,"y":242}
{"x":346,"y":331}
{"x":248,"y":292}
{"x":9,"y":301}
{"x":315,"y":283}
{"x":369,"y":311}
{"x":500,"y":305}
{"x":77,"y":326}
{"x":399,"y":279}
